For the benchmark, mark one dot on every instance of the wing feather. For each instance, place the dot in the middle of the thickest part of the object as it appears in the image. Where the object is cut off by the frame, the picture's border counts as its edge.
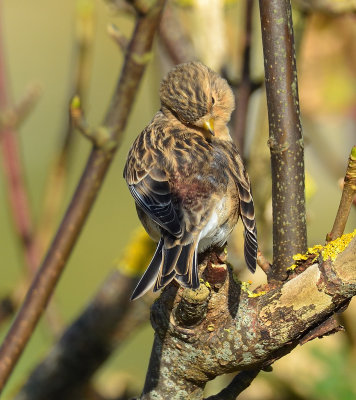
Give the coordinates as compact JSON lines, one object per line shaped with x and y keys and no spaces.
{"x":247,"y":212}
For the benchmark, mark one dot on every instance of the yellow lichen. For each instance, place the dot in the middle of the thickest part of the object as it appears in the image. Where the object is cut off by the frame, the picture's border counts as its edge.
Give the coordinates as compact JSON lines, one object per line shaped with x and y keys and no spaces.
{"x":330,"y":250}
{"x":245,"y":288}
{"x":335,"y":247}
{"x":137,"y":254}
{"x":211,"y":328}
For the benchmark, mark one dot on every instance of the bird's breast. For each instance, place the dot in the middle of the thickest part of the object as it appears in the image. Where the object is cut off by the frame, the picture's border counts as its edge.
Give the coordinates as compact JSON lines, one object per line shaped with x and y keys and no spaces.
{"x":218,"y":227}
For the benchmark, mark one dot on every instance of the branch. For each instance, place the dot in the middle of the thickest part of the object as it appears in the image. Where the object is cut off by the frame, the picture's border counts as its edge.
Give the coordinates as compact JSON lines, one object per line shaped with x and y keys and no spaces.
{"x":347,"y":197}
{"x":246,"y":85}
{"x":239,"y":330}
{"x":107,"y":321}
{"x":97,"y":165}
{"x":285,"y":135}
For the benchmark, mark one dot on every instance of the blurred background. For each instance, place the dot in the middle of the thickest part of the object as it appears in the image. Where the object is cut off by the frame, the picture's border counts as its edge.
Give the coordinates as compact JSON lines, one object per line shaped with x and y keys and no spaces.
{"x":41,"y":43}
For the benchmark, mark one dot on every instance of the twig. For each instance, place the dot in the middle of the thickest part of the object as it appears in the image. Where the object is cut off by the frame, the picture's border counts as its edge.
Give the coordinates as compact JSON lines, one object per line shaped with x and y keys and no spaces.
{"x":13,"y":116}
{"x":97,"y":165}
{"x":347,"y":198}
{"x":240,"y":382}
{"x":285,"y":135}
{"x":121,"y":40}
{"x":244,"y":90}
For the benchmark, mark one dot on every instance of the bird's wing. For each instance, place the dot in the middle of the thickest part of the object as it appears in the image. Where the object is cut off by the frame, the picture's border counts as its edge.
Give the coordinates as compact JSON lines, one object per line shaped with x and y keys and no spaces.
{"x":247,"y":212}
{"x":149,"y":186}
{"x":154,"y":198}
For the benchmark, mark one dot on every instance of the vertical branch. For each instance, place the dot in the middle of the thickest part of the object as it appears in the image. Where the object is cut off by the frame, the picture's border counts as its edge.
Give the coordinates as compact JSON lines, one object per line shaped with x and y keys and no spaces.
{"x":92,"y":178}
{"x":285,"y":134}
{"x":245,"y":87}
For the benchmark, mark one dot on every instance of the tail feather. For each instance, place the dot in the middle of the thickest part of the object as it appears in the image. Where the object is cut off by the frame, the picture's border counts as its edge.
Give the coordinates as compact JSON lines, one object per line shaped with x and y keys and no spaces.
{"x":178,"y":262}
{"x":164,"y":280}
{"x":187,"y":267}
{"x":150,"y":275}
{"x":250,"y":249}
{"x":170,"y":258}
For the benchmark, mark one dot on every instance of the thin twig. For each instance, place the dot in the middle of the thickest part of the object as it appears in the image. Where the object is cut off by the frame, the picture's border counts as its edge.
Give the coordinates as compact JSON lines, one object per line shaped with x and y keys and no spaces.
{"x":285,"y":135}
{"x":121,"y":40}
{"x":240,"y":382}
{"x":97,"y":165}
{"x":15,"y":115}
{"x":347,"y":198}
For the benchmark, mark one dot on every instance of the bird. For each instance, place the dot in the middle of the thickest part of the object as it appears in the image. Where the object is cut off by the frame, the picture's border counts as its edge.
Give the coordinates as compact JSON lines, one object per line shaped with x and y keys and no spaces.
{"x":188,"y":179}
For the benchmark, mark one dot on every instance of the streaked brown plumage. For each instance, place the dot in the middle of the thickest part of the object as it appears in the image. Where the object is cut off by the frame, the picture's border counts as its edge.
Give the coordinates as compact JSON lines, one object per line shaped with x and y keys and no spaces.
{"x":187,"y":177}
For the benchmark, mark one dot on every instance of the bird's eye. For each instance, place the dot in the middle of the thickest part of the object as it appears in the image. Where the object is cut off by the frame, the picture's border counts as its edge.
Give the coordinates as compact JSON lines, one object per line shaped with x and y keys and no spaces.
{"x":213,"y":100}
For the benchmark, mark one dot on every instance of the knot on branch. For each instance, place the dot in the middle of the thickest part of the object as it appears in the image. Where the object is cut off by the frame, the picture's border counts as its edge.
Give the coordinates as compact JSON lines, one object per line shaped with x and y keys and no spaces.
{"x":192,"y":308}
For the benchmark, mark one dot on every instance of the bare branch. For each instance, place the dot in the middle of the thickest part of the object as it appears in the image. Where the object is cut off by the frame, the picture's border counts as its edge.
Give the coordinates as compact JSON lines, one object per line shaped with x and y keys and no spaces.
{"x":285,"y":135}
{"x":347,"y":198}
{"x":107,"y":321}
{"x":98,"y":163}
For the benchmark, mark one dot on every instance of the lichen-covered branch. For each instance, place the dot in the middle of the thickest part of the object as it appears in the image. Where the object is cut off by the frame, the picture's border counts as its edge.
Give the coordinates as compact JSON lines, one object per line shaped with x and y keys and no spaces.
{"x":239,"y":330}
{"x":285,"y":134}
{"x":98,"y":163}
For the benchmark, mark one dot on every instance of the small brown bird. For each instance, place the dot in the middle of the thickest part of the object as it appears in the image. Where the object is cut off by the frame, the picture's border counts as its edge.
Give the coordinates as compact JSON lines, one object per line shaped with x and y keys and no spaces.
{"x":188,"y":179}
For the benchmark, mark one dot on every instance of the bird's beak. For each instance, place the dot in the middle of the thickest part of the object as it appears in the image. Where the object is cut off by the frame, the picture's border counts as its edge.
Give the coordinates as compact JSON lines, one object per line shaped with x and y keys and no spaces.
{"x":209,"y":125}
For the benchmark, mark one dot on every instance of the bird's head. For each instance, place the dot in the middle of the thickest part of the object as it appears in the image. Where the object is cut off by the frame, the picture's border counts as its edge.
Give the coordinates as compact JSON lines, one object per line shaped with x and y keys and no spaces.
{"x":198,"y":97}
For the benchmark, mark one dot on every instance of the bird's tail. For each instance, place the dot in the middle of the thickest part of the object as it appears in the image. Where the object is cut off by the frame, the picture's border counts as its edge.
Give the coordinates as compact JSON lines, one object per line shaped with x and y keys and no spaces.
{"x":178,"y":262}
